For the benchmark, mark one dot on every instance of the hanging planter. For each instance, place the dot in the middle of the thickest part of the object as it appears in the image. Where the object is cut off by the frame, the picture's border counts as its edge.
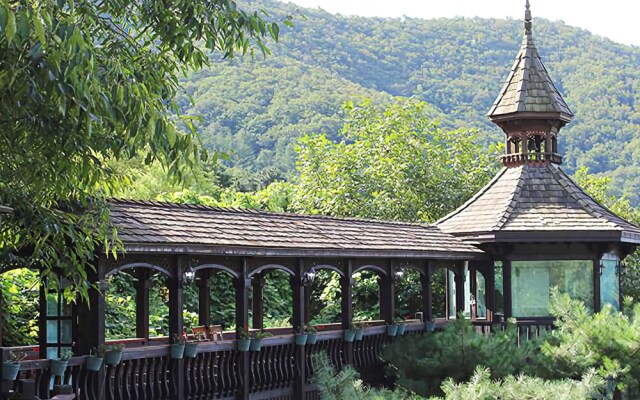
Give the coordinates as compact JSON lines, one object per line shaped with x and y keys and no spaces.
{"x":312,"y":337}
{"x":256,"y":344}
{"x":191,"y":350}
{"x":359,"y":334}
{"x":301,"y":339}
{"x":177,"y":351}
{"x":58,"y":367}
{"x":243,"y":340}
{"x":113,"y":356}
{"x":401,"y":328}
{"x":349,"y":336}
{"x":10,"y":370}
{"x":430,"y":326}
{"x":94,"y":363}
{"x":392,"y":330}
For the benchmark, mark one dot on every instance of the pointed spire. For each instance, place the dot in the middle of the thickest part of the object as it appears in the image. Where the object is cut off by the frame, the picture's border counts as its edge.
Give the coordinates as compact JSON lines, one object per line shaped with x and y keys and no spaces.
{"x":527,"y":19}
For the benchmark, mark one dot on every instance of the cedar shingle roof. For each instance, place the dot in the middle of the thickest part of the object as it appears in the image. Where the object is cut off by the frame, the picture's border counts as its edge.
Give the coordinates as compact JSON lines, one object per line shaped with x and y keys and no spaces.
{"x":537,"y":200}
{"x":529,"y":87}
{"x":144,"y":226}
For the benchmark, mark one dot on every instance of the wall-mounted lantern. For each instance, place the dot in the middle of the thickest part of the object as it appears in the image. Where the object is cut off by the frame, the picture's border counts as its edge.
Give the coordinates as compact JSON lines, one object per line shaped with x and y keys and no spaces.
{"x":309,"y":276}
{"x":188,"y":277}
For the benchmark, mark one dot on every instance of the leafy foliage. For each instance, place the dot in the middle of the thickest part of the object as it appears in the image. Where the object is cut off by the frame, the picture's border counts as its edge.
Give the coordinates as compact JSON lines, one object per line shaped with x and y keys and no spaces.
{"x":85,"y":82}
{"x":394,"y":164}
{"x":20,"y":307}
{"x":608,"y":341}
{"x":456,"y":65}
{"x":421,"y":364}
{"x":482,"y":387}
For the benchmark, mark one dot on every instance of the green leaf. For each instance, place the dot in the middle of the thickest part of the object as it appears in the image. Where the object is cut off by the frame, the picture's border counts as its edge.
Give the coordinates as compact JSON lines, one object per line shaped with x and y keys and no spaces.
{"x":37,"y":25}
{"x":10,"y":31}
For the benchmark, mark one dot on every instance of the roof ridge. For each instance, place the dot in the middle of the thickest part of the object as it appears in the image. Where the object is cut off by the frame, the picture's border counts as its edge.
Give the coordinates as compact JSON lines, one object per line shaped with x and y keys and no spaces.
{"x":266,"y":213}
{"x":512,"y":203}
{"x":475,"y":197}
{"x":574,"y":191}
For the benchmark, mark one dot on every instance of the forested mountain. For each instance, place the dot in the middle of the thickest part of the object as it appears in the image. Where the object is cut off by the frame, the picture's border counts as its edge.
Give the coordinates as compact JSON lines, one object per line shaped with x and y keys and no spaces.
{"x":257,"y":108}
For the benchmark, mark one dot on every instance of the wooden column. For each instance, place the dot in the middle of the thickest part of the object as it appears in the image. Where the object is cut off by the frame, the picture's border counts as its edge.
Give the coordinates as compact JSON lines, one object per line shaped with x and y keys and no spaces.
{"x":427,"y":298}
{"x":459,"y":282}
{"x":242,"y":285}
{"x":506,"y":285}
{"x":89,"y":330}
{"x":142,"y":287}
{"x":490,"y":281}
{"x":257,"y":284}
{"x":176,"y":323}
{"x":298,"y":297}
{"x":204,"y":297}
{"x":387,"y":296}
{"x":346,"y":314}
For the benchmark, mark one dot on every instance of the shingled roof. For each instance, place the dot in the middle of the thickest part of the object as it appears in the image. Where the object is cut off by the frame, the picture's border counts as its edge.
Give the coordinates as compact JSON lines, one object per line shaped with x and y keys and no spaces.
{"x":536,"y":203}
{"x":529,"y":87}
{"x":167,"y":227}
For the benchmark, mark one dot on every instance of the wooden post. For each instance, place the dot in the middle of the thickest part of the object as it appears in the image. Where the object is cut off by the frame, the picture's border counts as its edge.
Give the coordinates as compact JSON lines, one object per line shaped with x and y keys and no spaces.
{"x":387,"y":296}
{"x":490,"y":282}
{"x":297,"y":297}
{"x":242,"y":285}
{"x":506,"y":276}
{"x":459,"y":282}
{"x":204,"y":298}
{"x":257,"y":284}
{"x":142,"y":302}
{"x":427,"y":299}
{"x":176,"y":324}
{"x":346,"y":300}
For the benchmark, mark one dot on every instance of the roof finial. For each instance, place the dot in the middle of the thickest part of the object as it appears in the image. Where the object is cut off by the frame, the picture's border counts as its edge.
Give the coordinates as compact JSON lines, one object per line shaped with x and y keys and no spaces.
{"x":527,"y":19}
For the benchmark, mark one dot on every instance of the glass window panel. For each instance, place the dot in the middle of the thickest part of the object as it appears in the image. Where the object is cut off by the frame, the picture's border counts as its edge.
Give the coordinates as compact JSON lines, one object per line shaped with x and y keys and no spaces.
{"x":481,"y":296}
{"x":52,"y":331}
{"x":52,"y":304}
{"x":65,"y":331}
{"x":65,"y":308}
{"x":52,"y":352}
{"x":452,"y":293}
{"x":609,"y":281}
{"x":532,"y":282}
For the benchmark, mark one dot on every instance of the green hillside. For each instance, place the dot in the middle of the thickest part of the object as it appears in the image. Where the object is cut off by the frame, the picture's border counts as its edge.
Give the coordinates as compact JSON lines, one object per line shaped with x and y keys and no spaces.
{"x":256,"y":108}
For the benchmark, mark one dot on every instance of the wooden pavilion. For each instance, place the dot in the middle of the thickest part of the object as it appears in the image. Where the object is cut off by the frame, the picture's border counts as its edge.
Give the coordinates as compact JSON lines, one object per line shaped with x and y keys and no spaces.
{"x":531,"y":228}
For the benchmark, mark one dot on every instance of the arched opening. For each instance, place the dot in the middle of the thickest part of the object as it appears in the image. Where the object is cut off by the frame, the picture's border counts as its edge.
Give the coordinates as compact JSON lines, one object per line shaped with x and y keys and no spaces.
{"x":439,"y":292}
{"x":325,"y":298}
{"x":19,"y":305}
{"x":277,"y":304}
{"x":366,"y":294}
{"x":408,"y":291}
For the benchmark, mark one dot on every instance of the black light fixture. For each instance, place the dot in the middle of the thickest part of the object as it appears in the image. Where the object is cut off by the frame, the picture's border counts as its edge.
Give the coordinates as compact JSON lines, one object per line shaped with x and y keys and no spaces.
{"x":602,"y":267}
{"x":309,"y":276}
{"x":189,"y":276}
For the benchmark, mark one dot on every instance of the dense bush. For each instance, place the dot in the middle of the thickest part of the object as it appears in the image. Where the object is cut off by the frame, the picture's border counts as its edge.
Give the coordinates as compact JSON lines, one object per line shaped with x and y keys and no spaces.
{"x":423,"y":363}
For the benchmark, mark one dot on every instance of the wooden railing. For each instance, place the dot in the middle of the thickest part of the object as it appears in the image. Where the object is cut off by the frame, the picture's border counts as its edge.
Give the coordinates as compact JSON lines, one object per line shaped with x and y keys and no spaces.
{"x":527,"y":329}
{"x":217,"y":371}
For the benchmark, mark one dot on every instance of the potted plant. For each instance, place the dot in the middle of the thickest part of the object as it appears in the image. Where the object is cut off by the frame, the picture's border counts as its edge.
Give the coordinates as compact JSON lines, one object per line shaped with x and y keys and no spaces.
{"x":401,"y":326}
{"x":177,"y":346}
{"x":301,"y":337}
{"x":191,"y":349}
{"x":350,"y":334}
{"x":392,"y":329}
{"x":113,"y":353}
{"x":430,"y":325}
{"x":59,"y":365}
{"x":256,"y":341}
{"x":11,"y":368}
{"x":312,"y":334}
{"x":95,"y":358}
{"x":243,"y":340}
{"x":359,"y":327}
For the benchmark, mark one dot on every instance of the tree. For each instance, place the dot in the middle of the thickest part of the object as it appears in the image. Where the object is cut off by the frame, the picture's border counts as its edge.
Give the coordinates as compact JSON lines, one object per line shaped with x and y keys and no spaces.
{"x":394,"y":164}
{"x":84,"y":82}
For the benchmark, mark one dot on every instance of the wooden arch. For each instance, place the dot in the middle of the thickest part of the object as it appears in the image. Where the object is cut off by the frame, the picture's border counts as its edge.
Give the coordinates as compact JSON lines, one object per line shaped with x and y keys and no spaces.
{"x":154,"y":267}
{"x":370,"y":267}
{"x":219,"y":267}
{"x":329,"y":267}
{"x":268,"y":267}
